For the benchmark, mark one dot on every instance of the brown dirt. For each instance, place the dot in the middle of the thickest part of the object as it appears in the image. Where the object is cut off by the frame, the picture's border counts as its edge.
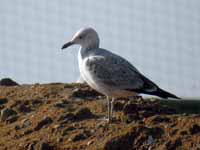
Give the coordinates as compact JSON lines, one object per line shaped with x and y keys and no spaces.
{"x":68,"y":117}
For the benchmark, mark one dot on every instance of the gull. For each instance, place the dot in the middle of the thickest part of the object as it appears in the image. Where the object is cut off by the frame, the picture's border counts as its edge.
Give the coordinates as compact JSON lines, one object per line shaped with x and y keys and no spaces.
{"x":109,"y":73}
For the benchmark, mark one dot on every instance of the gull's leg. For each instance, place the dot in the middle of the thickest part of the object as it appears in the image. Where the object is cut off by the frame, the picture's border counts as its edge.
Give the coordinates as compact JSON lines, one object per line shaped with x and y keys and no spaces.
{"x":108,"y":117}
{"x":111,"y":111}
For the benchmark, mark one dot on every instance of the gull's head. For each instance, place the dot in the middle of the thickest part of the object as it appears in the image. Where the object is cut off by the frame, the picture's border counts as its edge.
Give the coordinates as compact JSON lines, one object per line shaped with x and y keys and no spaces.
{"x":86,"y":37}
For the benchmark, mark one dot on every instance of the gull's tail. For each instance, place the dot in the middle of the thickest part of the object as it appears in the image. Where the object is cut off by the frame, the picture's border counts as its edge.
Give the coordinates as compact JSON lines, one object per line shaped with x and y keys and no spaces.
{"x":152,"y":89}
{"x":164,"y":94}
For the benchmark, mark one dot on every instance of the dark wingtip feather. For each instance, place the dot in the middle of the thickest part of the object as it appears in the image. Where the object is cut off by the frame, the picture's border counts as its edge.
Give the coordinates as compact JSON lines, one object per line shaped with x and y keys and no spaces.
{"x":165,"y":94}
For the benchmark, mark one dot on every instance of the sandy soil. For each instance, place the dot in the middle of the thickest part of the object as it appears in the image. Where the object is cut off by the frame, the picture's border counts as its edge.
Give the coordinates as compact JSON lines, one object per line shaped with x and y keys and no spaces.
{"x":70,"y":117}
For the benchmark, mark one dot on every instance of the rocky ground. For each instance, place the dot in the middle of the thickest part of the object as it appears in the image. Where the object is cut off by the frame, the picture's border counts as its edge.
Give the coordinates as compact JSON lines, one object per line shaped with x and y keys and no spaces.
{"x":69,"y":117}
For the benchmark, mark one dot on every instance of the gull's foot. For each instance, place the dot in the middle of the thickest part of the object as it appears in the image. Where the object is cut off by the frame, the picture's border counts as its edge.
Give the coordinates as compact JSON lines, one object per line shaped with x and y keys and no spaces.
{"x":106,"y":119}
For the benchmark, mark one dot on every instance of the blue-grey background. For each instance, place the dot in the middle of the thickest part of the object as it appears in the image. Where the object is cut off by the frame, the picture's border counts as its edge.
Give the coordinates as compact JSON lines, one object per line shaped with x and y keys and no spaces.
{"x":161,"y":38}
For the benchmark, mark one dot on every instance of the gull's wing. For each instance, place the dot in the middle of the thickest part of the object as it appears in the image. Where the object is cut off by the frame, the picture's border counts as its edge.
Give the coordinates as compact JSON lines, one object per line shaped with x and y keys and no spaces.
{"x":116,"y":72}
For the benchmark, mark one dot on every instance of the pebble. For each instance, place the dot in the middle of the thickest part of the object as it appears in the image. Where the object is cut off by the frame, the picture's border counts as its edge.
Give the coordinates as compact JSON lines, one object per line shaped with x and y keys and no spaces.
{"x":17,"y":127}
{"x":44,"y":122}
{"x":194,"y":129}
{"x":129,"y":118}
{"x":66,"y":117}
{"x":23,"y":108}
{"x":43,"y":146}
{"x":3,"y":100}
{"x":155,"y":132}
{"x":12,"y":119}
{"x":130,"y":109}
{"x":80,"y":136}
{"x":118,"y":106}
{"x":57,"y":126}
{"x":59,"y":140}
{"x":26,"y":132}
{"x":6,"y":113}
{"x":34,"y":145}
{"x":60,"y":104}
{"x":90,"y":142}
{"x":84,"y":93}
{"x":26,"y":123}
{"x":150,"y":140}
{"x":84,"y":113}
{"x":172,"y":145}
{"x":160,"y":119}
{"x":66,"y":131}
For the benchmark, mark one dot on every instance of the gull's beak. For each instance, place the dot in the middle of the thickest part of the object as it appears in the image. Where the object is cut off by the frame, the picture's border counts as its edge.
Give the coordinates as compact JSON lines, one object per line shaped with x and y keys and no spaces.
{"x":67,"y":44}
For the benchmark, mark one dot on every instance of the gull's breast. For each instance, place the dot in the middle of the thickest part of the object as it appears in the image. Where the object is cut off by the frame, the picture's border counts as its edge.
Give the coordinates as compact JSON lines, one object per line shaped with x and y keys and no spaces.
{"x":89,"y":76}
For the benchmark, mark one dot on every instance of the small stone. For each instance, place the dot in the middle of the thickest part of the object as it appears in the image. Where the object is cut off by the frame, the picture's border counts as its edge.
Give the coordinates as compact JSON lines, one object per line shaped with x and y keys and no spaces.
{"x":130,"y":118}
{"x":172,"y":145}
{"x":66,"y":117}
{"x":23,"y":108}
{"x":2,"y":107}
{"x":84,"y":93}
{"x":90,"y":142}
{"x":17,"y":127}
{"x":59,"y":139}
{"x":150,"y":140}
{"x":84,"y":113}
{"x":66,"y":131}
{"x":29,"y":131}
{"x":30,"y":146}
{"x":77,"y":93}
{"x":184,"y":133}
{"x":160,"y":119}
{"x":130,"y":109}
{"x":44,"y":122}
{"x":118,"y":106}
{"x":43,"y":146}
{"x":155,"y":132}
{"x":35,"y":145}
{"x":122,"y":142}
{"x":78,"y":137}
{"x":36,"y":102}
{"x":60,"y":105}
{"x":194,"y":129}
{"x":71,"y":128}
{"x":69,"y":140}
{"x":12,"y":119}
{"x":8,"y":82}
{"x":57,"y":126}
{"x":173,"y":132}
{"x":3,"y":100}
{"x":146,"y":114}
{"x":6,"y":113}
{"x":81,"y":136}
{"x":26,"y":123}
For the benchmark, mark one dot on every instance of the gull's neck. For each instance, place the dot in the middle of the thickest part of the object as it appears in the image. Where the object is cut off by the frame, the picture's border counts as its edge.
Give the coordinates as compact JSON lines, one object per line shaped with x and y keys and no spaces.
{"x":86,"y":49}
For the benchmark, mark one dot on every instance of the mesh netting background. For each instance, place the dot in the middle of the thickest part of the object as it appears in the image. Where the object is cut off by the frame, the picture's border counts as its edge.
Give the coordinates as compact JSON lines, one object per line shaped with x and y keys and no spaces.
{"x":161,"y":38}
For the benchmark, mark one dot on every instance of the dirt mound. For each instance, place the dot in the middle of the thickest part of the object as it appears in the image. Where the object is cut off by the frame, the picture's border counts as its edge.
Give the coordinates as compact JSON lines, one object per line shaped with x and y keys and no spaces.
{"x":69,"y":116}
{"x":8,"y":82}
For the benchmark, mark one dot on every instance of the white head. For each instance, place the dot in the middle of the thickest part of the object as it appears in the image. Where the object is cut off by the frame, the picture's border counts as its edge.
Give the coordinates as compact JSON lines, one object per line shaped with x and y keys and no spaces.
{"x":86,"y":37}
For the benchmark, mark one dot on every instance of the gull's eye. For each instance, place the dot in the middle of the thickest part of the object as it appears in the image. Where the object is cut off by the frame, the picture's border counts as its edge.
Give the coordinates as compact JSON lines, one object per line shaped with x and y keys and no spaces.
{"x":80,"y":37}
